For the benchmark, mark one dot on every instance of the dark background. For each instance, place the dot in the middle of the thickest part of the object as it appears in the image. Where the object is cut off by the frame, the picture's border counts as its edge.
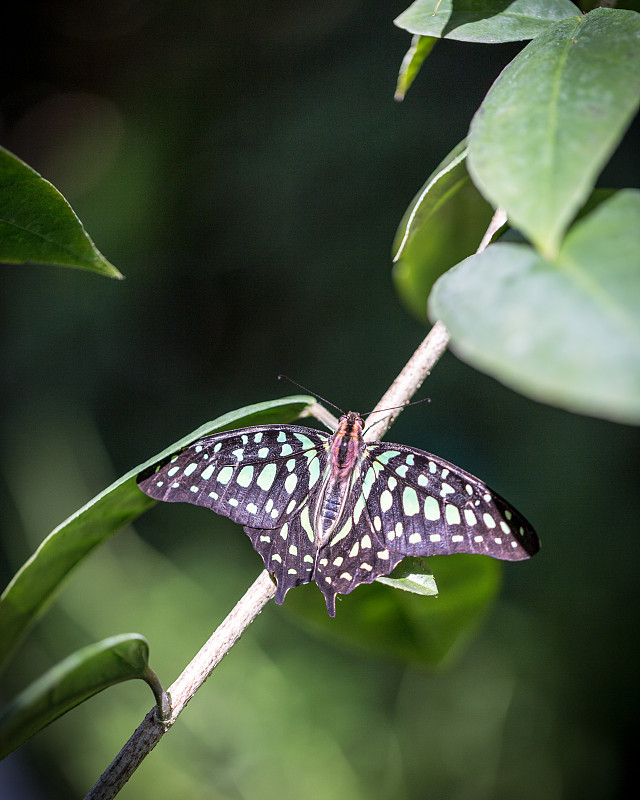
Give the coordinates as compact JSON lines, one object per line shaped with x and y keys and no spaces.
{"x":245,"y":166}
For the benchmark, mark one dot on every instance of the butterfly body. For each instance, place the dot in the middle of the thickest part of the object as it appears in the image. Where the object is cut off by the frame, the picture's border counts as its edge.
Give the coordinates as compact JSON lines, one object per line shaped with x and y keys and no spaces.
{"x":334,"y":509}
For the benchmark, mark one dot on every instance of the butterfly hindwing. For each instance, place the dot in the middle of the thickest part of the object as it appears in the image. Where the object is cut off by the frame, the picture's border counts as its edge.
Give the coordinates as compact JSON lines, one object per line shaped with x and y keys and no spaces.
{"x":288,"y":551}
{"x":356,"y":553}
{"x":426,"y":506}
{"x":255,"y":476}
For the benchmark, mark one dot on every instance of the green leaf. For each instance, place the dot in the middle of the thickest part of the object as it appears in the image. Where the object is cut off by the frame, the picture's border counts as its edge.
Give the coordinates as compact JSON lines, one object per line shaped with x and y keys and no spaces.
{"x":38,"y":579}
{"x":565,"y":332}
{"x":420,"y":48}
{"x":430,"y":239}
{"x":412,"y":575}
{"x":488,"y":21}
{"x":37,"y":224}
{"x":402,"y":625}
{"x":83,"y":674}
{"x":552,"y":119}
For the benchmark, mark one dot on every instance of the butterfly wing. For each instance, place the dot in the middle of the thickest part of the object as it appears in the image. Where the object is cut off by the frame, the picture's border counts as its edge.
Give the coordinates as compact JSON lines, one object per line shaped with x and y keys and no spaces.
{"x":425,"y":506}
{"x":259,"y":477}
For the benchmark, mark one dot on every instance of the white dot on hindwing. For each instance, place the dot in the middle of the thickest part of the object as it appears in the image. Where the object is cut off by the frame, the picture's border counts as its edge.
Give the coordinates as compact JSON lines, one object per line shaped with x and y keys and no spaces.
{"x":410,"y":460}
{"x":366,"y":566}
{"x":263,"y":452}
{"x":286,"y":450}
{"x":415,"y":538}
{"x":365,"y":542}
{"x":489,"y":521}
{"x":195,"y":489}
{"x":392,"y":483}
{"x":252,"y":508}
{"x":354,"y":550}
{"x":190,"y":468}
{"x":386,"y":500}
{"x":337,"y":562}
{"x":207,"y":472}
{"x":258,"y":437}
{"x":239,"y":453}
{"x":171,"y":472}
{"x":402,"y":470}
{"x":346,"y":576}
{"x":293,"y":550}
{"x":434,"y":537}
{"x":423,"y":480}
{"x":290,"y":483}
{"x":377,"y":523}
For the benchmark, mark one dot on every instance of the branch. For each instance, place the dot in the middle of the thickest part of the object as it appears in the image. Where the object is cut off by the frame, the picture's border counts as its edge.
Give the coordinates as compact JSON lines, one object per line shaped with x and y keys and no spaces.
{"x":150,"y":731}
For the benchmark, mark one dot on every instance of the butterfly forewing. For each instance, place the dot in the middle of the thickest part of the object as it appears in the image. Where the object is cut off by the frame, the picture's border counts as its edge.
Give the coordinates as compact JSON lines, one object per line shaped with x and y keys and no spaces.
{"x":424,"y":506}
{"x":257,"y":476}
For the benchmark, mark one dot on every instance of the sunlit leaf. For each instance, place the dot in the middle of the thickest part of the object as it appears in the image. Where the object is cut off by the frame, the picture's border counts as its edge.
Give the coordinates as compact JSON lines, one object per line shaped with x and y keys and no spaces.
{"x":566,"y":332}
{"x":80,"y":676}
{"x":552,"y":119}
{"x":39,"y":578}
{"x":420,"y":48}
{"x":488,"y":21}
{"x":37,"y":224}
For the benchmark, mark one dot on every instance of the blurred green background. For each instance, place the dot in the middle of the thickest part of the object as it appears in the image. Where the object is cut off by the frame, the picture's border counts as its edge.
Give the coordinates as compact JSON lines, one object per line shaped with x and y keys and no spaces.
{"x":245,"y":166}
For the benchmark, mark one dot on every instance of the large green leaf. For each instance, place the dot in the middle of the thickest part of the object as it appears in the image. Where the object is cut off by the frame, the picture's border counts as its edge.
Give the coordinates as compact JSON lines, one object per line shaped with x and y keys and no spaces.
{"x":395,"y":624}
{"x":444,"y":223}
{"x":552,"y":119}
{"x":38,"y":579}
{"x":566,"y":332}
{"x":80,"y":676}
{"x":39,"y":226}
{"x":488,"y":21}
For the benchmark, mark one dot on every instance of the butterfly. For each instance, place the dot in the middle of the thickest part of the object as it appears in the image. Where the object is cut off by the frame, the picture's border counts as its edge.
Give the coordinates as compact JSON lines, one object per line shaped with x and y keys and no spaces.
{"x":335,"y":509}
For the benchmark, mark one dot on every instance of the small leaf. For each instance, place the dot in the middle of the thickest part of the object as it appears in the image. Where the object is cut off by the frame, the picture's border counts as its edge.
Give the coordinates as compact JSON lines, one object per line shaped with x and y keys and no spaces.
{"x":420,"y":48}
{"x":412,"y":575}
{"x":565,"y":332}
{"x":552,"y":119}
{"x":80,"y":676}
{"x":39,"y":578}
{"x":430,"y":239}
{"x":37,"y":224}
{"x":488,"y":21}
{"x":404,"y":625}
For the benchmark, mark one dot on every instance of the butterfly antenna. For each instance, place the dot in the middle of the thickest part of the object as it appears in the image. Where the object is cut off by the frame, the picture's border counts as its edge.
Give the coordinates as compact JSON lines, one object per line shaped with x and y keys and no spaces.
{"x":304,"y":389}
{"x":393,"y":408}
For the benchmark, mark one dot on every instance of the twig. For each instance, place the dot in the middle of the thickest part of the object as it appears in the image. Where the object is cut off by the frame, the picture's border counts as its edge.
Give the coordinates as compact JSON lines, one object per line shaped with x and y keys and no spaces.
{"x":150,"y":731}
{"x":408,"y":381}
